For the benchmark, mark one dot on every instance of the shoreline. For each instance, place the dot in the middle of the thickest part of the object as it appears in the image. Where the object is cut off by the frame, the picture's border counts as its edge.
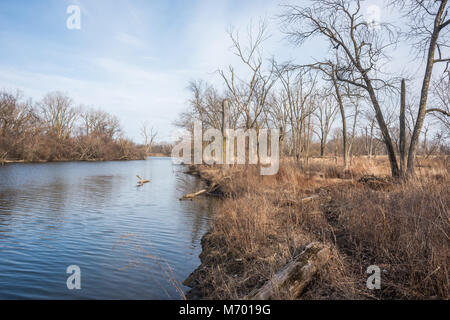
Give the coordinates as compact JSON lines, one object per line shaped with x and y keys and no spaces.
{"x":208,"y":255}
{"x":6,"y":162}
{"x":263,"y":225}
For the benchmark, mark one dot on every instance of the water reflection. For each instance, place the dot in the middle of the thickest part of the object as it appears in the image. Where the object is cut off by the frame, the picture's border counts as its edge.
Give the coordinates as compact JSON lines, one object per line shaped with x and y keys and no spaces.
{"x":93,"y":215}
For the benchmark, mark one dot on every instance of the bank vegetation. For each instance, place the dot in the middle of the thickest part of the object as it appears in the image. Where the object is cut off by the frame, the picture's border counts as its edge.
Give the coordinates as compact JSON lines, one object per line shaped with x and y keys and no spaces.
{"x":56,"y":129}
{"x":369,"y":146}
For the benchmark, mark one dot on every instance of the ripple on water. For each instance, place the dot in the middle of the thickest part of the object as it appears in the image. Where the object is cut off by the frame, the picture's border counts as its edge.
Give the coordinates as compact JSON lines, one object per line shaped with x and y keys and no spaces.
{"x":93,"y":215}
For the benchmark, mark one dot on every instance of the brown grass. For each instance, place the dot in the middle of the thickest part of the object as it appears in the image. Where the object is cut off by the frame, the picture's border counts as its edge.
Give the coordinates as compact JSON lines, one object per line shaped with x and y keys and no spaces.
{"x":404,"y":230}
{"x":261,"y":225}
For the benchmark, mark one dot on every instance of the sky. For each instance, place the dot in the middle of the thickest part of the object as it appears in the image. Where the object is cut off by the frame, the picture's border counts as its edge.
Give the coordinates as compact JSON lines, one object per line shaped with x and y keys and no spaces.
{"x":133,"y":59}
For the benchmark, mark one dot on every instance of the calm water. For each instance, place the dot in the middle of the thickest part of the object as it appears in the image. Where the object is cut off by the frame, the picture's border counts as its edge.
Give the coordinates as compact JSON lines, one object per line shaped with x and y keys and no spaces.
{"x":122,"y":237}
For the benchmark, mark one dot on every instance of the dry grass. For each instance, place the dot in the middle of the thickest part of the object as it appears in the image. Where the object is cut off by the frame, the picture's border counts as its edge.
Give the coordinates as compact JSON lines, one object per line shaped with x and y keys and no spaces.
{"x":261,"y":225}
{"x":404,"y":231}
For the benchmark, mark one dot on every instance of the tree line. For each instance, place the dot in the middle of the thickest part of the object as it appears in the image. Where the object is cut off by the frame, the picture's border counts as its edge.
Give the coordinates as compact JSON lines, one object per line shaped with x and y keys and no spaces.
{"x":346,"y":102}
{"x":55,"y":129}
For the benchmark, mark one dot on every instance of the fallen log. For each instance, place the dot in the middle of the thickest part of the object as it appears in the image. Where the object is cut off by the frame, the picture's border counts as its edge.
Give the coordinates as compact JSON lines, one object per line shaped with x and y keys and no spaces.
{"x":296,"y":275}
{"x":208,"y":191}
{"x":193,"y":195}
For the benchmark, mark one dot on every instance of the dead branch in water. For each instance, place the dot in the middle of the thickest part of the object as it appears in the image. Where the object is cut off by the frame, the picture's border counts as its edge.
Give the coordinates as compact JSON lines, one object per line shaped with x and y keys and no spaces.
{"x":141,"y":181}
{"x":193,"y":195}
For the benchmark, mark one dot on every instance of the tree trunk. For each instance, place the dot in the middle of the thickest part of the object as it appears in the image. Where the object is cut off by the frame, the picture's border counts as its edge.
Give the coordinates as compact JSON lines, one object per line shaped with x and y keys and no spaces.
{"x":402,"y":144}
{"x":225,"y":126}
{"x":281,"y":140}
{"x":322,"y":147}
{"x":371,"y":139}
{"x":383,"y":128}
{"x":350,"y":147}
{"x":425,"y":88}
{"x":344,"y":122}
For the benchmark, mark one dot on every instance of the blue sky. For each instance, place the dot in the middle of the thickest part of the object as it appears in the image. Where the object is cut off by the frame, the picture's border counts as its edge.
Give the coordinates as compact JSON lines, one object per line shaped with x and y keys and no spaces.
{"x":131,"y":58}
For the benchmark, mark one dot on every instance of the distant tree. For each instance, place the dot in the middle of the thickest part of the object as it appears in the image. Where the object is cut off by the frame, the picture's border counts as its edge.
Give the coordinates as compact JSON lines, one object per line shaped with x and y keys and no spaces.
{"x":101,"y":124}
{"x":326,"y":115}
{"x":149,"y":135}
{"x":59,"y":114}
{"x":19,"y":124}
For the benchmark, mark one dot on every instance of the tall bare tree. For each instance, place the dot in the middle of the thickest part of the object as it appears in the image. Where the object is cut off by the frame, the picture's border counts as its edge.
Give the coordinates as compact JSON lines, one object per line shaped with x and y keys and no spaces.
{"x":249,"y":94}
{"x":149,"y":135}
{"x":429,"y":23}
{"x":298,"y":88}
{"x":359,"y":49}
{"x":59,"y":114}
{"x":326,"y":115}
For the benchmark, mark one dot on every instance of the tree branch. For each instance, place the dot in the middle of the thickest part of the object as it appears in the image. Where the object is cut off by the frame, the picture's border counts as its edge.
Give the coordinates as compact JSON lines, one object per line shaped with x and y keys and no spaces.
{"x":445,"y":113}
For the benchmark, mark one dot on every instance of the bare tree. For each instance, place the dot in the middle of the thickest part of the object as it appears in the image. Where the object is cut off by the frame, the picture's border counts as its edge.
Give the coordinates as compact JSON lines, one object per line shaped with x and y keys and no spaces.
{"x":249,"y":92}
{"x":358,"y":47}
{"x":249,"y":95}
{"x":356,"y":112}
{"x":149,"y":135}
{"x":298,"y":88}
{"x":326,"y":115}
{"x":277,"y":116}
{"x":339,"y":91}
{"x":440,"y":108}
{"x":59,"y":114}
{"x":19,"y":124}
{"x":427,"y":28}
{"x":101,"y":124}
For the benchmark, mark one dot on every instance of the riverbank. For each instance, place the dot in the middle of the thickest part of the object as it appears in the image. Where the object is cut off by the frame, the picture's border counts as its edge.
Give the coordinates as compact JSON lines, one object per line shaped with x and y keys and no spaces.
{"x":365,"y":218}
{"x":152,"y":155}
{"x":5,"y":162}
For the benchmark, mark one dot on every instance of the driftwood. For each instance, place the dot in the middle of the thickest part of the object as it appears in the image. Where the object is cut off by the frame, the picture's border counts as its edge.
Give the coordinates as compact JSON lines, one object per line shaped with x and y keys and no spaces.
{"x":193,"y":195}
{"x":296,"y":275}
{"x":141,"y":181}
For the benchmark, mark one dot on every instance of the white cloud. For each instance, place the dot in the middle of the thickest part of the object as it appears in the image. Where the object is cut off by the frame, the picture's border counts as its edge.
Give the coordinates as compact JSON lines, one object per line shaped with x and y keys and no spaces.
{"x":125,"y":60}
{"x":131,"y":93}
{"x":129,"y":39}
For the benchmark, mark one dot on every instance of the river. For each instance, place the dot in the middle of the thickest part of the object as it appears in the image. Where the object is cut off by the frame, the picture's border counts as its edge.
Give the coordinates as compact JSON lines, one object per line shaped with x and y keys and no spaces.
{"x":129,"y":242}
